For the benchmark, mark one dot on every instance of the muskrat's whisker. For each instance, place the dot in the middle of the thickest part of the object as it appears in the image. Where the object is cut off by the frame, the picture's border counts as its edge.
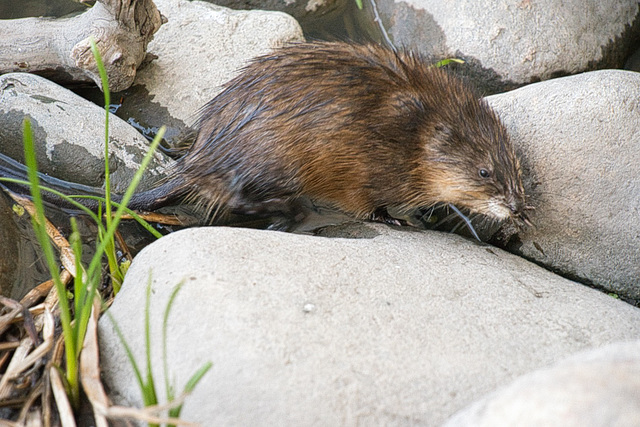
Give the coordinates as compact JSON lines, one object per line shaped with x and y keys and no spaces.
{"x":467,"y":221}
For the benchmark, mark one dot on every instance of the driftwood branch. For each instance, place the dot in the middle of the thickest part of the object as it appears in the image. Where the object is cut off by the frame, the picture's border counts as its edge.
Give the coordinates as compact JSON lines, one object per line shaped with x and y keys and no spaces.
{"x":59,"y":48}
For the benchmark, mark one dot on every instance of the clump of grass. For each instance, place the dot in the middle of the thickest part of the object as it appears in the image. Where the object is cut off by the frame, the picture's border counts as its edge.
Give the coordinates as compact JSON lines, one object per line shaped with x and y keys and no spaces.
{"x":74,"y":320}
{"x":147,"y":383}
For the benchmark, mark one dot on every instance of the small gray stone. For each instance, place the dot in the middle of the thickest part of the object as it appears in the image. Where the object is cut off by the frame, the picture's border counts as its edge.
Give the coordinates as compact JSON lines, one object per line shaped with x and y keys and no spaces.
{"x":579,"y":138}
{"x":402,"y":328}
{"x":69,"y":134}
{"x":598,"y":388}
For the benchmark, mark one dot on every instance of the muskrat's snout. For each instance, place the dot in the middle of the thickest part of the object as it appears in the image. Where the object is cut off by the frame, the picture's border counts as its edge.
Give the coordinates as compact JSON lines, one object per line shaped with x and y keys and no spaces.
{"x":505,"y":201}
{"x":521,"y":217}
{"x":517,"y":204}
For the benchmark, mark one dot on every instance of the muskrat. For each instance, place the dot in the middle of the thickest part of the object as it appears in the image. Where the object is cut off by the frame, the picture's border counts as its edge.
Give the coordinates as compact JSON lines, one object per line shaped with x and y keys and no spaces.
{"x":358,"y":127}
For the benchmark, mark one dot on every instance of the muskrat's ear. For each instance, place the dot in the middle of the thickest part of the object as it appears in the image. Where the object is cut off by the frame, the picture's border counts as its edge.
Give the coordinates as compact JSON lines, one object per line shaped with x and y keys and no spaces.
{"x":443,"y":130}
{"x":405,"y":110}
{"x":442,"y":133}
{"x":406,"y":102}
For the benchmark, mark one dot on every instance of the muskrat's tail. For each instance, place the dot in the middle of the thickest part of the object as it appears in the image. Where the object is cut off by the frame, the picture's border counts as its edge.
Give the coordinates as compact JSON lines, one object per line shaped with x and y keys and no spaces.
{"x":152,"y":199}
{"x":10,"y":168}
{"x":168,"y":193}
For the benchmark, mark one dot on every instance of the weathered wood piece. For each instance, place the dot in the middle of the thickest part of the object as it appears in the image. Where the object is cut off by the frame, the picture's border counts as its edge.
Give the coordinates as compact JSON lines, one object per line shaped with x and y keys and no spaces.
{"x":59,"y":48}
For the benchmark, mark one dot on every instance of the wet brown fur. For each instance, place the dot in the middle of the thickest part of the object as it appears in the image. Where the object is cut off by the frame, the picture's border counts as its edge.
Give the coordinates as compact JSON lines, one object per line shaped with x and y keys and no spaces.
{"x":356,"y":126}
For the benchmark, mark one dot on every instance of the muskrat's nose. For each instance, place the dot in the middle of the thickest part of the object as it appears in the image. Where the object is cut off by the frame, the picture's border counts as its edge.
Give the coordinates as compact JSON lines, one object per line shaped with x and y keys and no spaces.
{"x":515,"y":202}
{"x":519,"y":209}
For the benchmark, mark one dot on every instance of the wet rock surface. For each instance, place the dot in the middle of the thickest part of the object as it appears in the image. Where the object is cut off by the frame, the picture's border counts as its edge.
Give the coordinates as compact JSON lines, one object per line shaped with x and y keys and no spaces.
{"x":69,"y":134}
{"x":297,"y":8}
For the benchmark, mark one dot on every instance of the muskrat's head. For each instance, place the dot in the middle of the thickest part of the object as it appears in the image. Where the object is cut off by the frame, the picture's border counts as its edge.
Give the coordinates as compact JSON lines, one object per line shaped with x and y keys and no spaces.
{"x":472,"y":162}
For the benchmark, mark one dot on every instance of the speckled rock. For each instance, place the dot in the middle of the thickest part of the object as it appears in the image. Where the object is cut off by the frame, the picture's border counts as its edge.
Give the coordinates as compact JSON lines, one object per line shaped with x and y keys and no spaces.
{"x":579,"y":138}
{"x":397,"y":328}
{"x":69,"y":134}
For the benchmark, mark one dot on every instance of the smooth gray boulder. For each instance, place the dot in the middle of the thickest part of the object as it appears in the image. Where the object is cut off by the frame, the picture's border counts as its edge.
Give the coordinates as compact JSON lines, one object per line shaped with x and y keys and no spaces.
{"x":200,"y":48}
{"x":579,"y":139}
{"x":69,"y":134}
{"x":400,"y":328}
{"x":507,"y":44}
{"x":597,"y":388}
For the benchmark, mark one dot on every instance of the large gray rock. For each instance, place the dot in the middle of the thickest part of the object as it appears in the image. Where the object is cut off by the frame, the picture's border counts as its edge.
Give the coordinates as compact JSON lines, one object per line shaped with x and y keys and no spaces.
{"x":69,"y":134}
{"x":598,"y":388}
{"x":579,"y":138}
{"x":200,"y":48}
{"x":400,"y":328}
{"x":507,"y":44}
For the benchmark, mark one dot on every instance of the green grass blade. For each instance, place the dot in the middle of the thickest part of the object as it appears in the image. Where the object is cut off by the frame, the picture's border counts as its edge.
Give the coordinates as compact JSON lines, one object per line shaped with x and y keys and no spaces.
{"x":110,"y":247}
{"x":95,"y":264}
{"x":39,"y":227}
{"x":165,"y":323}
{"x":150,"y":384}
{"x":127,"y":350}
{"x":448,"y":61}
{"x":79,"y":288}
{"x":195,"y":378}
{"x":190,"y":386}
{"x":107,"y":101}
{"x":128,"y":211}
{"x":85,"y":289}
{"x":149,"y":394}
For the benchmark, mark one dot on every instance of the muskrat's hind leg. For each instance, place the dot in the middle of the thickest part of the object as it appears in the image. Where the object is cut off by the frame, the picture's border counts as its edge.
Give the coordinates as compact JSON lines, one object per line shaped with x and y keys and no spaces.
{"x":286,"y":212}
{"x":382,"y":215}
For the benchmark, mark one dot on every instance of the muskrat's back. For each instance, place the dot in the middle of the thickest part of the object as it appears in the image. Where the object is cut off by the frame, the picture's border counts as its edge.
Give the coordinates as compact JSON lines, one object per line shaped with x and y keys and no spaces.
{"x":356,"y":126}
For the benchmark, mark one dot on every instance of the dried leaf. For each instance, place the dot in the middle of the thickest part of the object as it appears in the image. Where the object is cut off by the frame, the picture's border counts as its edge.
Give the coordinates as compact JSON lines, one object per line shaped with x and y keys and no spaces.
{"x":66,"y":253}
{"x":62,"y":401}
{"x":6,"y":319}
{"x":46,"y":345}
{"x":90,"y":369}
{"x":13,"y":369}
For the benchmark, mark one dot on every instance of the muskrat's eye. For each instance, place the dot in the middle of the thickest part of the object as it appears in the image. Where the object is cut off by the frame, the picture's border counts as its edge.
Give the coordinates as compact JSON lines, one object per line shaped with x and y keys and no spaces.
{"x":484,"y":173}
